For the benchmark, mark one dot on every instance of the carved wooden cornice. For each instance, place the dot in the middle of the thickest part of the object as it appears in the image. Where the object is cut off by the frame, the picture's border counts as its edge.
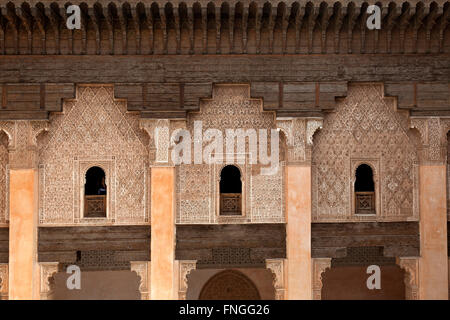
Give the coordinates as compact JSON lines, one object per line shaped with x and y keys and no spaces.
{"x":220,"y":27}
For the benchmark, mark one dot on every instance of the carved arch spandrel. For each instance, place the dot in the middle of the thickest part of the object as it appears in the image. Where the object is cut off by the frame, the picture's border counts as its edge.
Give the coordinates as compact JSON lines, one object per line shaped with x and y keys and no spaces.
{"x":319,"y":265}
{"x":411,"y":267}
{"x":142,"y":269}
{"x":47,"y":272}
{"x":185,"y":268}
{"x":276,"y":266}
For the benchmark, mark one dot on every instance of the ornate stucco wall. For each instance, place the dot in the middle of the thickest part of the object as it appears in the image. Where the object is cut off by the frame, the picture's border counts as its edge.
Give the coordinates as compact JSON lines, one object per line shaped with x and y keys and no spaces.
{"x":197,"y":184}
{"x":94,"y":129}
{"x":365,"y":128}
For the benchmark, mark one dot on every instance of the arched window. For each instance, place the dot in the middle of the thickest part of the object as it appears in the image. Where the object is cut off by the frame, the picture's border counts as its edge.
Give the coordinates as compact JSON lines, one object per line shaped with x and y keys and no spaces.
{"x":230,"y":191}
{"x":95,"y":193}
{"x":364,"y":190}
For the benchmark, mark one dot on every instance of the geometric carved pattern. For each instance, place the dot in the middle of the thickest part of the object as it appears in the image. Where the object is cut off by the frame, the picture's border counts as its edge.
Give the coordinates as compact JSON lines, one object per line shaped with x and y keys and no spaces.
{"x":320,"y":265}
{"x":197,"y":184}
{"x":276,"y":266}
{"x":230,"y":257}
{"x":365,"y":202}
{"x":364,"y":126}
{"x":95,"y":206}
{"x":98,"y":260}
{"x":363,"y":256}
{"x":411,"y":267}
{"x":93,"y":129}
{"x":229,"y":285}
{"x":230,"y":204}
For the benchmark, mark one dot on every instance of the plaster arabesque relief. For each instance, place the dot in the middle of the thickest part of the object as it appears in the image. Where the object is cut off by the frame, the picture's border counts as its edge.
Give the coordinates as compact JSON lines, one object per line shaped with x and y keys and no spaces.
{"x":365,"y":128}
{"x":230,"y":108}
{"x":94,"y":129}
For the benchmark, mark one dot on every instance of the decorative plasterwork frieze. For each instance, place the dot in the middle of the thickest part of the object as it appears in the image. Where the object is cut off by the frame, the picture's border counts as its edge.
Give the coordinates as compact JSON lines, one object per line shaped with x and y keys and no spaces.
{"x":319,"y":265}
{"x":276,"y":266}
{"x":185,"y":268}
{"x":411,"y":267}
{"x":142,"y":269}
{"x":48,"y":270}
{"x":4,"y":280}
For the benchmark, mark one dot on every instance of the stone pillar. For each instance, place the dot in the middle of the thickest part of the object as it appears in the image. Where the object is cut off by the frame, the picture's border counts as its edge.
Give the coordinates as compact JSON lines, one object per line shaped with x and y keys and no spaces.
{"x":433,"y":271}
{"x":163,"y":233}
{"x":163,"y":270}
{"x":22,"y":233}
{"x":23,"y":208}
{"x":298,"y":232}
{"x":299,"y":137}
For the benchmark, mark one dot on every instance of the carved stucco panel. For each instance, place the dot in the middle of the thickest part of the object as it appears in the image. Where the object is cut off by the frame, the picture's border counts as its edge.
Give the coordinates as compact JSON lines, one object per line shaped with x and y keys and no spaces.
{"x":93,"y":127}
{"x":364,"y":125}
{"x":197,"y":184}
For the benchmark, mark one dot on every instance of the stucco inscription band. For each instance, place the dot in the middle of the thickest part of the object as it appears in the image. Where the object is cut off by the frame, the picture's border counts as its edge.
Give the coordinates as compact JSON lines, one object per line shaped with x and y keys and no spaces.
{"x":224,"y":150}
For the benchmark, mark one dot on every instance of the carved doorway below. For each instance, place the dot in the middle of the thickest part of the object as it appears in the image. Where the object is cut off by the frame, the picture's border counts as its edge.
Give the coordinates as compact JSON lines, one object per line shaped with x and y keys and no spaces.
{"x":229,"y":285}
